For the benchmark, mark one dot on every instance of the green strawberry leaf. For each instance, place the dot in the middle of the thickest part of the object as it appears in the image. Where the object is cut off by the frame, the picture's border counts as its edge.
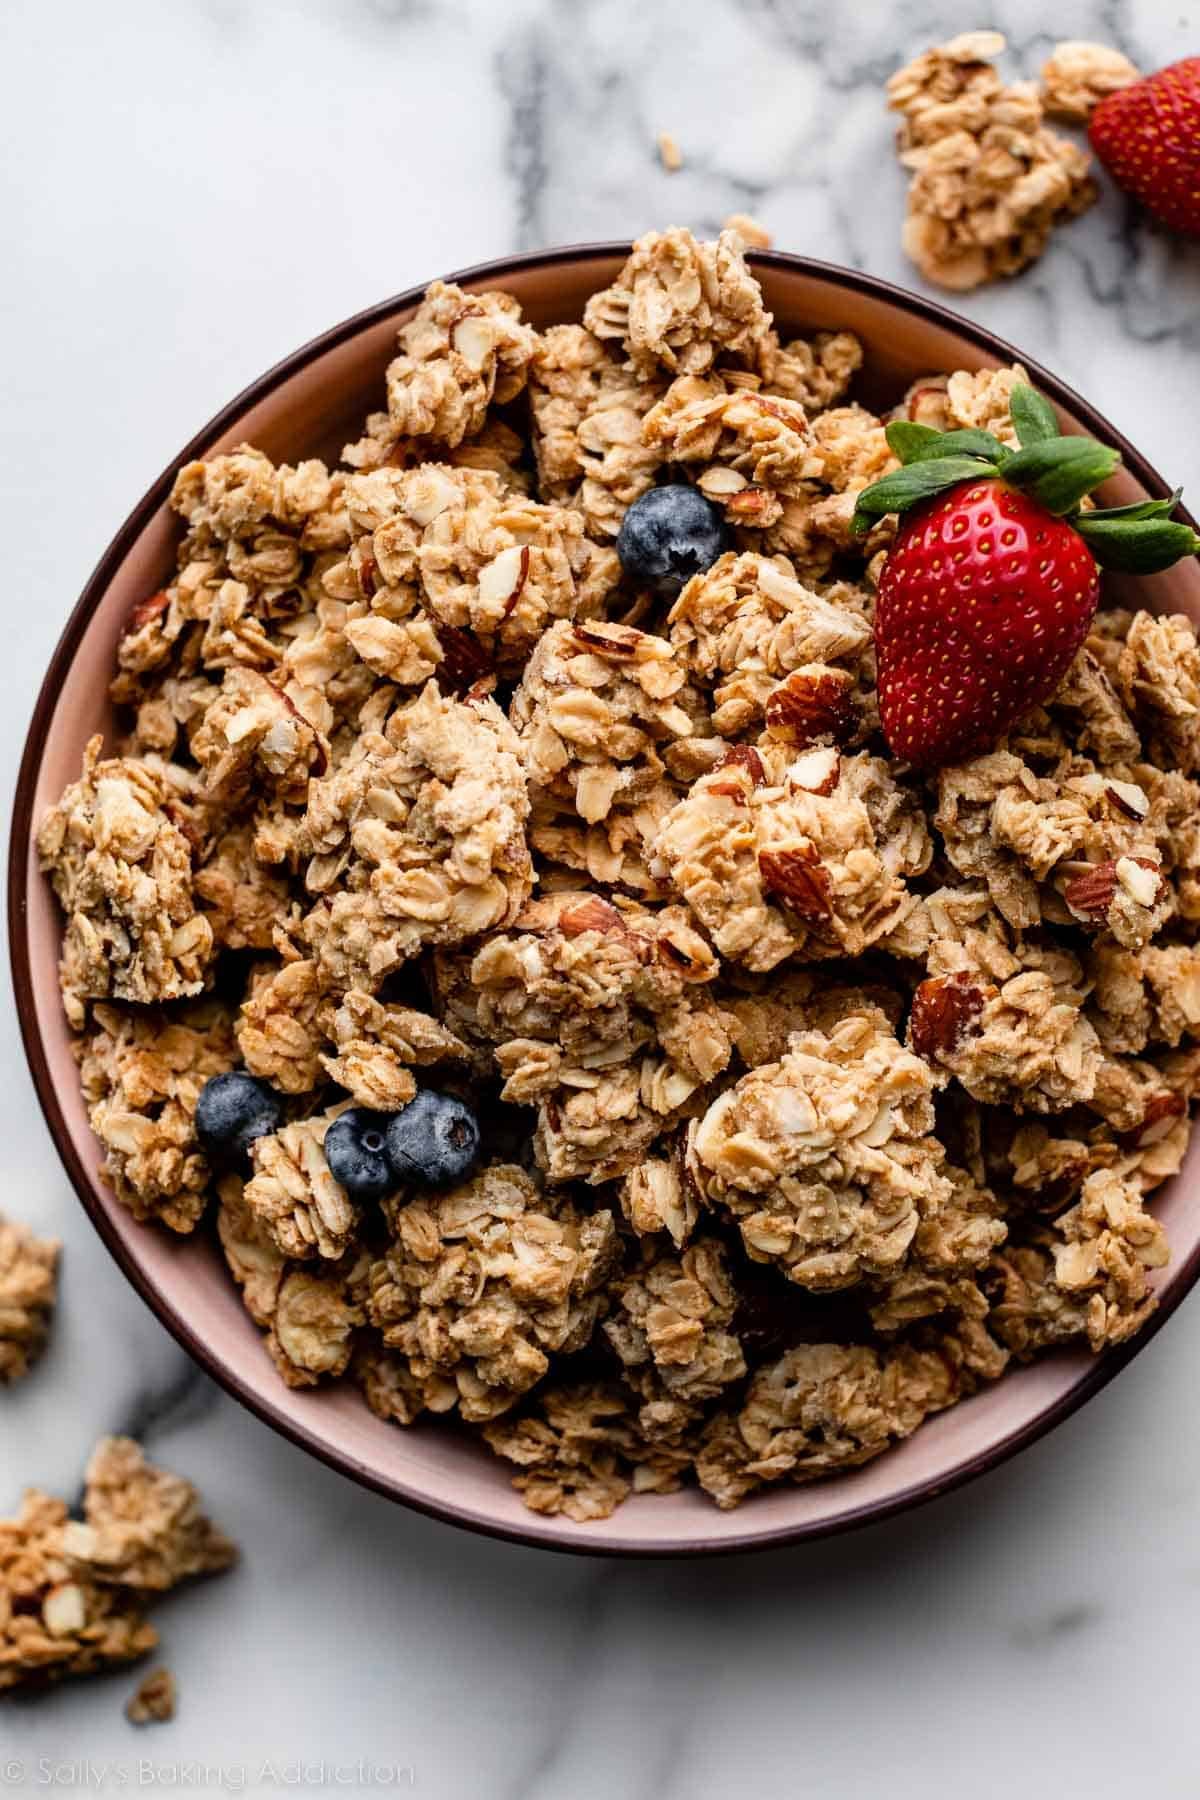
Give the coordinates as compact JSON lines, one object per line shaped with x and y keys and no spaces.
{"x":1140,"y":509}
{"x":912,"y":443}
{"x":918,"y":443}
{"x":1136,"y":546}
{"x":907,"y":487}
{"x":1058,"y":472}
{"x":1034,"y":419}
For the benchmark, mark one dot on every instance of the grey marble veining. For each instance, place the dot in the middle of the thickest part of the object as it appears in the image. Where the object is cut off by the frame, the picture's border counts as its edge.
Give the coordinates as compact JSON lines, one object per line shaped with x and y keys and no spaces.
{"x":192,"y":189}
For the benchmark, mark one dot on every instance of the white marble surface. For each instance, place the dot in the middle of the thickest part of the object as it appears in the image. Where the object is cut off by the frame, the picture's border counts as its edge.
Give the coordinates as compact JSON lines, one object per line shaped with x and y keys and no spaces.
{"x":191,"y":188}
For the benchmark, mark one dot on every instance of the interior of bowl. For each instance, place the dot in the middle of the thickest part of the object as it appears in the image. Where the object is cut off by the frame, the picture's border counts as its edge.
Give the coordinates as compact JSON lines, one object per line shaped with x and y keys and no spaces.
{"x":311,"y":405}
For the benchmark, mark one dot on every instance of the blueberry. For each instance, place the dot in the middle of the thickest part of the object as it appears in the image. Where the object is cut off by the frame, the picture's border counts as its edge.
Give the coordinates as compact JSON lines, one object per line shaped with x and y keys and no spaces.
{"x":356,"y":1151}
{"x":669,"y":535}
{"x":232,"y":1111}
{"x":434,"y":1141}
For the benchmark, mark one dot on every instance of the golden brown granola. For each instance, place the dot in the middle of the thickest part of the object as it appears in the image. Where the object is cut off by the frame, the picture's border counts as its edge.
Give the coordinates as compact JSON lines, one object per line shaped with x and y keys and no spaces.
{"x":28,"y":1283}
{"x":72,"y":1591}
{"x":414,"y":785}
{"x":1077,"y":75}
{"x":990,"y":181}
{"x":153,"y":1701}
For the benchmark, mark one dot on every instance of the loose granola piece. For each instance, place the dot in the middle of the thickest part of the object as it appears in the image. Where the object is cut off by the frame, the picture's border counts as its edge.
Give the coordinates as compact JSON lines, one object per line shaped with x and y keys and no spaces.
{"x":458,"y":353}
{"x":28,"y":1283}
{"x":816,"y":371}
{"x":122,"y":871}
{"x":293,"y":1195}
{"x":596,"y":705}
{"x":669,"y":153}
{"x":820,"y":1408}
{"x":311,"y":1312}
{"x":600,"y":1018}
{"x":1008,"y":1023}
{"x":243,"y":900}
{"x":753,"y":446}
{"x":1086,"y":829}
{"x":254,"y":736}
{"x":476,"y":557}
{"x":1149,"y":996}
{"x":254,"y":1260}
{"x":660,"y":1194}
{"x":753,"y":235}
{"x":72,"y":1591}
{"x":277,"y":1030}
{"x":153,"y":1701}
{"x":317,"y":1312}
{"x":989,"y":180}
{"x":243,"y":498}
{"x":53,"y":1621}
{"x":377,"y":1046}
{"x":481,"y":1283}
{"x":582,"y":1453}
{"x":420,"y":832}
{"x":142,"y":1073}
{"x":680,"y":305}
{"x":1158,"y":677}
{"x":746,"y":623}
{"x":612,"y":852}
{"x":142,"y":1527}
{"x":1077,"y":75}
{"x":587,"y":412}
{"x":1086,"y":1277}
{"x":1102,"y":727}
{"x":797,"y":862}
{"x":762,"y":1019}
{"x":826,"y":1158}
{"x":670,"y":1329}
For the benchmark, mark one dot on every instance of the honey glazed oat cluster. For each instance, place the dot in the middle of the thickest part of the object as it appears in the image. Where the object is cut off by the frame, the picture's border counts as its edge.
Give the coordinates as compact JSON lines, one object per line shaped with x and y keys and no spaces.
{"x":811,"y":1091}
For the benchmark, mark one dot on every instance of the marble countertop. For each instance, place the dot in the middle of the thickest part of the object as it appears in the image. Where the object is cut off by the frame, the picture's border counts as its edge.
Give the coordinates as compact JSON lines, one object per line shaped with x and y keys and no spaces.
{"x":193,"y":189}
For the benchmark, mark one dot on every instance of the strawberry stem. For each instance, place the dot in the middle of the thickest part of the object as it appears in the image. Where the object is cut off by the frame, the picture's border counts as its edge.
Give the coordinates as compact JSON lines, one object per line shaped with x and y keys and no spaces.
{"x":1057,"y":472}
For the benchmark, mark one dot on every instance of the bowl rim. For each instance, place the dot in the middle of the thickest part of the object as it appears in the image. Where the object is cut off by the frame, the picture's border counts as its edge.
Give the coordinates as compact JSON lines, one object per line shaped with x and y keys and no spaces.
{"x":84,"y":1183}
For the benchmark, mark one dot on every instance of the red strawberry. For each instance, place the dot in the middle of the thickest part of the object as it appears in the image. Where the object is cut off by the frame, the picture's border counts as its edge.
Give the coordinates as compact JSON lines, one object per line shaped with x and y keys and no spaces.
{"x":1148,"y":138}
{"x":993,"y":579}
{"x":982,"y":605}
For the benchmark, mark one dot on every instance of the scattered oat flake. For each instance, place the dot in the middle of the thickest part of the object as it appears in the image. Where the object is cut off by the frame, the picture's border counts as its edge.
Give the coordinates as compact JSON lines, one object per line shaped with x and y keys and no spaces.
{"x":753,"y":235}
{"x":669,"y":153}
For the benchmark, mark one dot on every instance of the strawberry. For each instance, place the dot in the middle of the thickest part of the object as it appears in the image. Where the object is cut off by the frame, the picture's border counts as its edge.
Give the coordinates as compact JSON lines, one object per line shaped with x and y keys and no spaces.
{"x":993,"y":579}
{"x":1148,"y":138}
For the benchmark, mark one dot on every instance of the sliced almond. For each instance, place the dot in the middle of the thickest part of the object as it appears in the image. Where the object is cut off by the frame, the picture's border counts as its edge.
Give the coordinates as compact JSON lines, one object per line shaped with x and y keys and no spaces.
{"x":474,"y":340}
{"x":1141,"y":880}
{"x":817,"y":771}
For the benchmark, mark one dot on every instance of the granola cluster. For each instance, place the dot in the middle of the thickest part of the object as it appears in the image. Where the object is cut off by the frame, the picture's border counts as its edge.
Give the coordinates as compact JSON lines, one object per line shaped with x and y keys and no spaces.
{"x":73,"y":1591}
{"x":812,"y":1091}
{"x":989,"y":180}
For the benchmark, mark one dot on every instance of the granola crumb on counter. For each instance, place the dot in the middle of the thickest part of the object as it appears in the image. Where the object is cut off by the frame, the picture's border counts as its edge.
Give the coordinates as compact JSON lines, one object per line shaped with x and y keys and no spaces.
{"x":73,"y":1591}
{"x":989,"y":180}
{"x":28,"y":1287}
{"x":808,"y":1092}
{"x":153,"y":1701}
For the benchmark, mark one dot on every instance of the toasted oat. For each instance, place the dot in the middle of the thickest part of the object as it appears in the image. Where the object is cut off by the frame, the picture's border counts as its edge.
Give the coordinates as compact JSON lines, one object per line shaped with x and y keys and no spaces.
{"x":669,"y":153}
{"x":1078,"y":75}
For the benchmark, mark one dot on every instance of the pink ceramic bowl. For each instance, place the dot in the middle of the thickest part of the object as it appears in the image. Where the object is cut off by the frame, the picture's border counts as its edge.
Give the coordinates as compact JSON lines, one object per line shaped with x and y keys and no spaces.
{"x":310,"y":405}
